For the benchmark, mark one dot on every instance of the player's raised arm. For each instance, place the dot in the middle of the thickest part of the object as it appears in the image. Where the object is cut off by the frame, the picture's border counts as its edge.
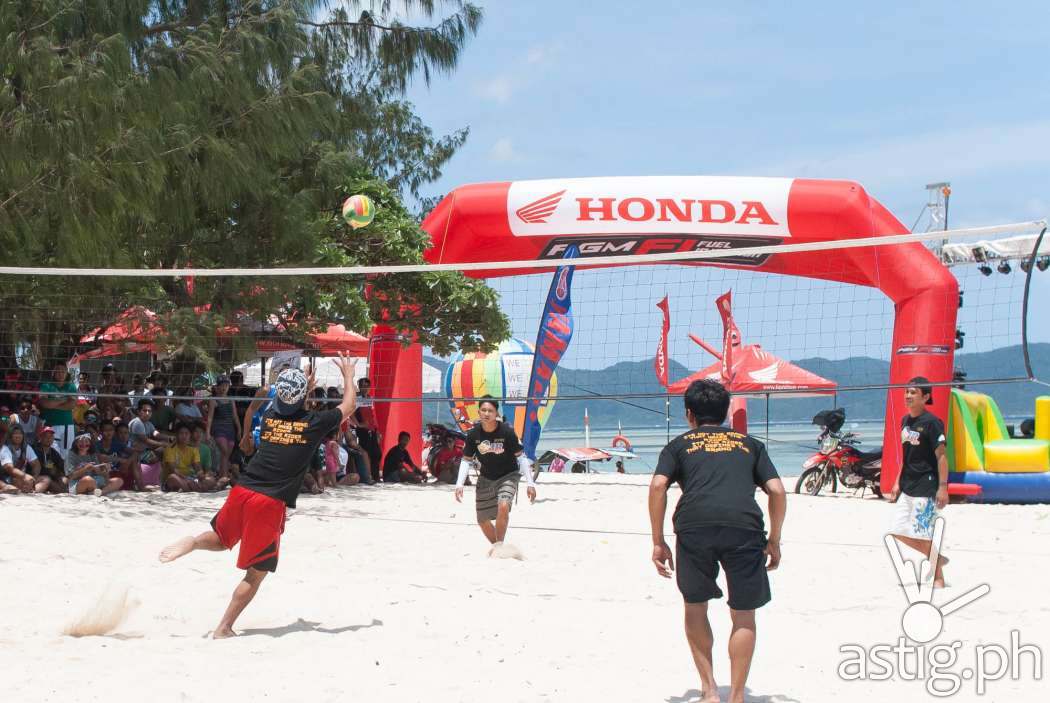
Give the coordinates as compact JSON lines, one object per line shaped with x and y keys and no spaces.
{"x":349,"y":403}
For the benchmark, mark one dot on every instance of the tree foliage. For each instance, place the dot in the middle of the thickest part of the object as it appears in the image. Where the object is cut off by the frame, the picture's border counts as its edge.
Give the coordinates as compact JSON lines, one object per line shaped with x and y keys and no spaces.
{"x":223,"y":133}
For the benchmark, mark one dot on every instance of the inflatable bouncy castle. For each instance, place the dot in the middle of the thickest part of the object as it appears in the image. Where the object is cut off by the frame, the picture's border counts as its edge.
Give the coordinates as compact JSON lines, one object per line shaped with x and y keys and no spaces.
{"x":981,"y":452}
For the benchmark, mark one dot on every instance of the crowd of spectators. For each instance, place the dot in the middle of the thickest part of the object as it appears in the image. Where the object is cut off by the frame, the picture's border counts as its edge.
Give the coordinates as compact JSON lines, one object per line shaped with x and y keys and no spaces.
{"x":104,"y":434}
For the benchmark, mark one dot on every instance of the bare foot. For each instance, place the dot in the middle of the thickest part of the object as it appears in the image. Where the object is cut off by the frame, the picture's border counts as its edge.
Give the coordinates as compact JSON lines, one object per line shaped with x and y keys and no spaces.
{"x":223,"y":633}
{"x":177,"y":549}
{"x":711,"y":697}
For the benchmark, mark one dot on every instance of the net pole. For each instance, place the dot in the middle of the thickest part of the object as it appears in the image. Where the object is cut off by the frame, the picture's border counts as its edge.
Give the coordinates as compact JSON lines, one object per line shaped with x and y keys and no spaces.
{"x":667,"y":415}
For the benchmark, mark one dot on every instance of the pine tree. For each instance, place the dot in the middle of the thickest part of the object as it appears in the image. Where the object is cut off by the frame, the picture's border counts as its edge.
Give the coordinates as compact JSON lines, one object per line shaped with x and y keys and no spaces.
{"x":222,"y":133}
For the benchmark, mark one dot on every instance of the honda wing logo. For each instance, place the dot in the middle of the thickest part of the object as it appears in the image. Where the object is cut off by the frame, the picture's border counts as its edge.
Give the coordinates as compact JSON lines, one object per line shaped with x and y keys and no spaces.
{"x":765,"y":375}
{"x":537,"y":212}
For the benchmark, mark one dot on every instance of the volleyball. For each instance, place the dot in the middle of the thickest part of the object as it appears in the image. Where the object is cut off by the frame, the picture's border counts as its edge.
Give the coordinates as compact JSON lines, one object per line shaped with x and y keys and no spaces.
{"x":359,"y":211}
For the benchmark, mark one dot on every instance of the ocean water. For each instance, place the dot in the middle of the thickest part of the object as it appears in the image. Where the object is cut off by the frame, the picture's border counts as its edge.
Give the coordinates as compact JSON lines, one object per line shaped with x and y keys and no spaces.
{"x":789,"y":444}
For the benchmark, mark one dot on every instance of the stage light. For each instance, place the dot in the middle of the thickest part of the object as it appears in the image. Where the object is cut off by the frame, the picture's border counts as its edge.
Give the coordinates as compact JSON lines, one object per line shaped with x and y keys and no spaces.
{"x":1043,"y":263}
{"x":1026,"y":265}
{"x":959,"y":334}
{"x":979,"y":255}
{"x":1003,"y":267}
{"x":985,"y":269}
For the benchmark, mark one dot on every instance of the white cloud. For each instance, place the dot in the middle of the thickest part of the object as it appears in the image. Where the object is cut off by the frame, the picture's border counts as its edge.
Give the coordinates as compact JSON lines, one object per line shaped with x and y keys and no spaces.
{"x":503,"y":150}
{"x":537,"y":54}
{"x":498,"y":89}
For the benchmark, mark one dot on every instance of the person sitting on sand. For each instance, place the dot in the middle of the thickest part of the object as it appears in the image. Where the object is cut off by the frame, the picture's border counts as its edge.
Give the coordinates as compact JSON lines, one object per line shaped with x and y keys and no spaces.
{"x":502,"y":460}
{"x":86,"y":471}
{"x":254,"y":511}
{"x":182,"y":466}
{"x":52,"y":464}
{"x":717,"y":523}
{"x":19,"y":464}
{"x":446,"y":461}
{"x":398,"y":466}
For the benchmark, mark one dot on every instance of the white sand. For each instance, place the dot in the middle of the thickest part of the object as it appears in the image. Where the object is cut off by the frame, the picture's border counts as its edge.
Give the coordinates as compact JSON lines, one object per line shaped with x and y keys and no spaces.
{"x":385,"y":594}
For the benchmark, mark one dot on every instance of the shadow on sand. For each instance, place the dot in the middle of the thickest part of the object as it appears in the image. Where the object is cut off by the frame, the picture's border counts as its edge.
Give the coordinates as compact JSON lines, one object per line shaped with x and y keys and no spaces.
{"x":301,"y":625}
{"x":693,"y":695}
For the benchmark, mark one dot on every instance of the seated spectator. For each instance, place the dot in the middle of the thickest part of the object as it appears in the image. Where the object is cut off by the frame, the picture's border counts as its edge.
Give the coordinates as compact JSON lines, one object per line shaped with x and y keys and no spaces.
{"x":197,"y":441}
{"x":27,"y":418}
{"x":147,"y":442}
{"x":86,"y":472}
{"x":579,"y":468}
{"x":182,"y":466}
{"x":446,"y":461}
{"x":398,"y":466}
{"x":357,"y":453}
{"x":110,"y":448}
{"x":19,"y":464}
{"x":341,"y":469}
{"x":57,"y":410}
{"x":52,"y":464}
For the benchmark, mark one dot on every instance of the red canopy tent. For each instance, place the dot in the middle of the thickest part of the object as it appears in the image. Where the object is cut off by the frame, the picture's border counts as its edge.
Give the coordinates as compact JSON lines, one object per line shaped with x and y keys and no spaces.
{"x":750,"y":370}
{"x":138,"y":328}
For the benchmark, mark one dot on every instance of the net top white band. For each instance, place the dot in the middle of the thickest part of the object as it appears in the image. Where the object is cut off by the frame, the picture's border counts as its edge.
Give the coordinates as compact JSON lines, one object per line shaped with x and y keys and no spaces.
{"x":669,"y":258}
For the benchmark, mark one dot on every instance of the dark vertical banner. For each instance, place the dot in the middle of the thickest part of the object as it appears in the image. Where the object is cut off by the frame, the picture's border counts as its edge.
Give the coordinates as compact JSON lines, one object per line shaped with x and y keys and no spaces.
{"x":660,"y":360}
{"x":551,"y":342}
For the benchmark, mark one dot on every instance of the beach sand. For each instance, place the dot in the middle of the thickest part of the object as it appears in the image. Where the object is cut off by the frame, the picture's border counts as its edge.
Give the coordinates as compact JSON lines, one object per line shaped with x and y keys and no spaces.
{"x":386,"y":594}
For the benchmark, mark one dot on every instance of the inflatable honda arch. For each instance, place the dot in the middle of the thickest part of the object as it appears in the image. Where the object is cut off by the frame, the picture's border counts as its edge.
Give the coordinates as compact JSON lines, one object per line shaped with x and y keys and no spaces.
{"x":534,"y":220}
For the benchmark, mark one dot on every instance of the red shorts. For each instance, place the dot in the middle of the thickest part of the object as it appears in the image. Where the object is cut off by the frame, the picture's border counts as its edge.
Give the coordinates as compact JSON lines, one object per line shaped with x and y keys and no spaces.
{"x":256,"y":521}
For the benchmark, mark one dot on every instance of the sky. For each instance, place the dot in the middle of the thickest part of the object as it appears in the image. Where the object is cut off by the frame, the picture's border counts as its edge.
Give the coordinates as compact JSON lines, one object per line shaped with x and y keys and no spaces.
{"x":894,"y":95}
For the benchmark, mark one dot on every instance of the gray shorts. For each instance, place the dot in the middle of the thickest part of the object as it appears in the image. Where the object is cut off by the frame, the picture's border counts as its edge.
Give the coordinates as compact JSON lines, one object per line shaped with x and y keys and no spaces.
{"x":492,"y":492}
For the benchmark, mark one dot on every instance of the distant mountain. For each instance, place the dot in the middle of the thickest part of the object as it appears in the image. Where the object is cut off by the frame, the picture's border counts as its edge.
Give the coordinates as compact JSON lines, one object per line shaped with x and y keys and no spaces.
{"x":606,"y":404}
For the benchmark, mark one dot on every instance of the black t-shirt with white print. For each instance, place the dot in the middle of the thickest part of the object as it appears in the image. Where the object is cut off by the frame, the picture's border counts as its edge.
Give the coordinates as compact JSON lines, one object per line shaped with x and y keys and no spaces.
{"x":920,"y":437}
{"x":287,"y":444}
{"x":718,"y":470}
{"x":496,"y":451}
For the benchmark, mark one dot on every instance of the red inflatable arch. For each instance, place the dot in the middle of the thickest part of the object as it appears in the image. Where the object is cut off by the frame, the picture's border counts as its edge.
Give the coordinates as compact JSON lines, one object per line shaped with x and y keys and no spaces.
{"x":522,"y":220}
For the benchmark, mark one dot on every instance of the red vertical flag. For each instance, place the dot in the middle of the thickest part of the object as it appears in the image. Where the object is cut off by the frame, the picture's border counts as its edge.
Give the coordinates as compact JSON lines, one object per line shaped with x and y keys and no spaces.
{"x":661,"y":351}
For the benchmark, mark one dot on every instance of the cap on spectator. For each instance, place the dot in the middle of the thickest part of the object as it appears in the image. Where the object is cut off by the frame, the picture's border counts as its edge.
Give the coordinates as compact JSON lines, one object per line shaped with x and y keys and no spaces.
{"x":108,"y":367}
{"x":223,"y":378}
{"x":46,"y":429}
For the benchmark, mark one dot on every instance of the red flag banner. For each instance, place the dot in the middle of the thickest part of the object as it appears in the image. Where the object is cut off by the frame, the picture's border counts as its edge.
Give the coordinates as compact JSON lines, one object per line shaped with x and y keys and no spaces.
{"x":661,"y":351}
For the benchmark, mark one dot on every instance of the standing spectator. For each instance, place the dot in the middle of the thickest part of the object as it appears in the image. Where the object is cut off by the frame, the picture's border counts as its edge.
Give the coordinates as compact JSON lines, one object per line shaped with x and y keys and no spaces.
{"x":52,"y":464}
{"x":19,"y":463}
{"x":138,"y":390}
{"x":239,"y":390}
{"x":187,"y":412}
{"x":86,"y":472}
{"x":223,"y":424}
{"x":27,"y":419}
{"x":398,"y":466}
{"x":57,"y":410}
{"x":368,"y":434}
{"x":15,"y":386}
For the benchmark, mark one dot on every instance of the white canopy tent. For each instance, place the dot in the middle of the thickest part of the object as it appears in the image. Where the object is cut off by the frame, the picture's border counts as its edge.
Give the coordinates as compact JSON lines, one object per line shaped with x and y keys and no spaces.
{"x":327,"y":373}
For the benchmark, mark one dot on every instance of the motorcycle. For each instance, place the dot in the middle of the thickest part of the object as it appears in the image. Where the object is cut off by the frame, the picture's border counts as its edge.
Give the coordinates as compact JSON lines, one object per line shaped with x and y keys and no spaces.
{"x":435,"y":438}
{"x":838,"y":460}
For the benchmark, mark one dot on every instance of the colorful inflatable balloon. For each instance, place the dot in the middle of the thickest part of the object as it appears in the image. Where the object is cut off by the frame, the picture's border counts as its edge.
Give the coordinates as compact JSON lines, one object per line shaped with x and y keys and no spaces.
{"x":359,"y":211}
{"x":503,"y":373}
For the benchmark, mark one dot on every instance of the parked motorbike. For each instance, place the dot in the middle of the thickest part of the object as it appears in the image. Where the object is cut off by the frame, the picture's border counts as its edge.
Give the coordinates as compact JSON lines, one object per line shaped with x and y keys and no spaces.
{"x":838,"y":460}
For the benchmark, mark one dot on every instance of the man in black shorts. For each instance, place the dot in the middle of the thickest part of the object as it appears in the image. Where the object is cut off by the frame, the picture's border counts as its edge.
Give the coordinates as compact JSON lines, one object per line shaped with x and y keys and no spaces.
{"x":502,"y":460}
{"x":254,"y":511}
{"x":717,"y":523}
